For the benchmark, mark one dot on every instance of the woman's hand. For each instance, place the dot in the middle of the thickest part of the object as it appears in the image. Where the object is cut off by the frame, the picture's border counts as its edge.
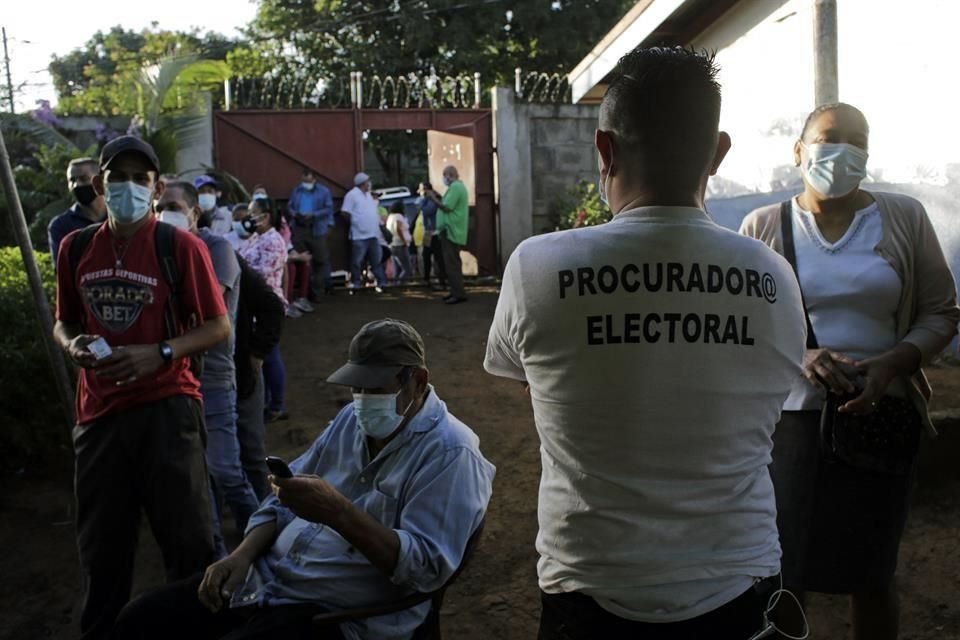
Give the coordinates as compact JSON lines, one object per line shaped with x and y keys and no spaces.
{"x":878,"y":373}
{"x":826,"y":369}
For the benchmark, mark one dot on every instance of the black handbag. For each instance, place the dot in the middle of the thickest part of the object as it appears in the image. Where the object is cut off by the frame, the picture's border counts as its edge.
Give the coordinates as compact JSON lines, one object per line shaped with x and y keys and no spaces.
{"x":885,"y":441}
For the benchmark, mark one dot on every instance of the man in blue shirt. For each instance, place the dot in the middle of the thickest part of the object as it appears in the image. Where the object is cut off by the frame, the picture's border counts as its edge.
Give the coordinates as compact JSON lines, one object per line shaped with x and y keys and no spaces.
{"x":382,"y":505}
{"x":311,"y":208}
{"x":431,"y":241}
{"x":88,"y":207}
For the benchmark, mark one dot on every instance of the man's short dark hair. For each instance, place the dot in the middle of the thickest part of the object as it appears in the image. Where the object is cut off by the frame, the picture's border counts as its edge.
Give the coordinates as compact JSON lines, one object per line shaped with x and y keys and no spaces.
{"x":190,"y":195}
{"x":93,"y":163}
{"x":663,"y":107}
{"x":307,"y":171}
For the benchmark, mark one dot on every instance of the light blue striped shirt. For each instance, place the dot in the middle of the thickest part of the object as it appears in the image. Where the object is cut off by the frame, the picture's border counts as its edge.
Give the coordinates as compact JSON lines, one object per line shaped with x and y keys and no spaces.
{"x":430,"y":484}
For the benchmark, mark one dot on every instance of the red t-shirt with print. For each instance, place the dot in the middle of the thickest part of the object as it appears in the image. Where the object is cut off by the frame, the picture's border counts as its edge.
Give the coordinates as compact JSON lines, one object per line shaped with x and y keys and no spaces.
{"x":126,"y":306}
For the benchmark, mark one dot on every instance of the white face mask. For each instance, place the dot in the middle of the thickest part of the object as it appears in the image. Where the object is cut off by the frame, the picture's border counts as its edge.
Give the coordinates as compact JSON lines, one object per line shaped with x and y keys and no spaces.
{"x":376,"y":413}
{"x":208,"y":201}
{"x":833,"y":169}
{"x":176,"y":218}
{"x":127,"y":202}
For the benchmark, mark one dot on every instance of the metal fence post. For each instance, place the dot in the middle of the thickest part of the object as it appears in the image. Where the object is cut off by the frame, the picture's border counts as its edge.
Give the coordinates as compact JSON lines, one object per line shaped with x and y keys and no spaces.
{"x":226,"y":95}
{"x":517,"y":83}
{"x":476,"y":89}
{"x":359,"y":89}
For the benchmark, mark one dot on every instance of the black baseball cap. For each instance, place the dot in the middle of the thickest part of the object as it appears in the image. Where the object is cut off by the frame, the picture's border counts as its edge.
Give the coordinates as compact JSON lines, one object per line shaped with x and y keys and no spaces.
{"x":128,"y":144}
{"x":378,"y":353}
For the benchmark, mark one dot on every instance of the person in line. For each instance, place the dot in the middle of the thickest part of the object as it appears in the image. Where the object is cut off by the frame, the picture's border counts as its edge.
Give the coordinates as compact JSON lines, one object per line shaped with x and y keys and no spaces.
{"x":139,"y":439}
{"x":267,"y":254}
{"x":88,"y":207}
{"x":452,"y":226}
{"x":361,"y":208}
{"x":658,"y":349}
{"x":311,"y":209}
{"x":400,"y":239}
{"x":179,"y":206}
{"x":382,"y":505}
{"x":432,"y":252}
{"x":882,"y":303}
{"x":243,"y":226}
{"x":220,"y":218}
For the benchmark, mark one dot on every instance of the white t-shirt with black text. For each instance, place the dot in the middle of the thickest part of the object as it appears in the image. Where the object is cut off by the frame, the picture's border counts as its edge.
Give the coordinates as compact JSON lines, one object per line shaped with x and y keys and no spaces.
{"x":659,"y":349}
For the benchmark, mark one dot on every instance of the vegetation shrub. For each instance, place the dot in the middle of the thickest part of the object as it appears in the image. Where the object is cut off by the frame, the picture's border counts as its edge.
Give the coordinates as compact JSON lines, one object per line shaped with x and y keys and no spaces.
{"x":32,"y":429}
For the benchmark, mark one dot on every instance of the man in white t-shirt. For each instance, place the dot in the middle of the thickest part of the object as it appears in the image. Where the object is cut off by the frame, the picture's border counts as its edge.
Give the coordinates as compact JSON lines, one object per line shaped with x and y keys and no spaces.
{"x":364,"y":231}
{"x":658,"y":349}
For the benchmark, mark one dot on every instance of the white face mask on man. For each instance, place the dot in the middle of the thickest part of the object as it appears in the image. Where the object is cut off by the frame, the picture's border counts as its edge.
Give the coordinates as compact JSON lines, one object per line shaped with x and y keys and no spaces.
{"x":177,"y":218}
{"x":376,"y":413}
{"x":207,"y":201}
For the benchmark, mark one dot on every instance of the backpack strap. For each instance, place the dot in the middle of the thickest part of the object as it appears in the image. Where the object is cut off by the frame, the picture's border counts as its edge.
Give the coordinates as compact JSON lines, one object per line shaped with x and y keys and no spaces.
{"x":790,"y":253}
{"x":78,"y":246}
{"x":166,"y":256}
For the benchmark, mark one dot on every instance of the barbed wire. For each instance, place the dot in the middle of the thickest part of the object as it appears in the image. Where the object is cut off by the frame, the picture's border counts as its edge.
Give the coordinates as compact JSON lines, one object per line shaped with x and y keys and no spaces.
{"x":539,"y":87}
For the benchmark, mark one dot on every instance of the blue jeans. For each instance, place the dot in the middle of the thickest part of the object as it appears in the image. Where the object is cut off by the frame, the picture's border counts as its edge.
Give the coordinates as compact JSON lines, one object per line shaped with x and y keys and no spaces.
{"x":223,"y":455}
{"x":275,"y":377}
{"x":366,"y":250}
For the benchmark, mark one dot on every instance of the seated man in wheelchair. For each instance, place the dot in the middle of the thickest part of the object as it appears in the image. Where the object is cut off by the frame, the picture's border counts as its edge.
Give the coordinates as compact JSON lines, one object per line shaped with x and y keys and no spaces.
{"x":381,"y":506}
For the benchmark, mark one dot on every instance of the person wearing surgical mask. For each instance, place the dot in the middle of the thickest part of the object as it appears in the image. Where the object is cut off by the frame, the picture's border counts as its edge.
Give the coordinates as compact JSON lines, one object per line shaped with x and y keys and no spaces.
{"x":380,"y":506}
{"x":88,"y":207}
{"x":179,"y":206}
{"x":139,"y":436}
{"x":881,"y":301}
{"x":217,"y":218}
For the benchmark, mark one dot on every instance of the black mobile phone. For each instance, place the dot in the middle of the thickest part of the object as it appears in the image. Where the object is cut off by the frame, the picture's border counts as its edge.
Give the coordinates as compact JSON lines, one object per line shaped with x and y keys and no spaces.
{"x":278,"y":467}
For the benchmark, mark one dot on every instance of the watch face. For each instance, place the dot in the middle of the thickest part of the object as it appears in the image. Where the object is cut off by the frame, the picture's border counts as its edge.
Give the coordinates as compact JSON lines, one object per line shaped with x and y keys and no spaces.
{"x":166,"y":351}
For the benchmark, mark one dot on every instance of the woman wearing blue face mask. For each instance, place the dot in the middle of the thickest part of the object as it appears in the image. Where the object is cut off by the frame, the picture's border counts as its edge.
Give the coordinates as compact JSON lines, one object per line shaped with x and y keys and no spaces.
{"x":881,"y":302}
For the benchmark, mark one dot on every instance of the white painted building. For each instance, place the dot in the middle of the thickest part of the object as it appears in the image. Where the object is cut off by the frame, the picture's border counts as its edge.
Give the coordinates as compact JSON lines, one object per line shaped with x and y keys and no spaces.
{"x":896,"y":63}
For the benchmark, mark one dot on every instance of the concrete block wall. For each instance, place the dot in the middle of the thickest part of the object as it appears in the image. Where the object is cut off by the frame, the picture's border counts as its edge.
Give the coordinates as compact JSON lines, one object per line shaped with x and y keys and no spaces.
{"x":542,"y":152}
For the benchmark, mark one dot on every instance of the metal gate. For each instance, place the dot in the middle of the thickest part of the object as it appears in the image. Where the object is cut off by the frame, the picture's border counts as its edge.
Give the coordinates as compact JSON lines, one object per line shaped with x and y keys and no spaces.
{"x":271,"y":147}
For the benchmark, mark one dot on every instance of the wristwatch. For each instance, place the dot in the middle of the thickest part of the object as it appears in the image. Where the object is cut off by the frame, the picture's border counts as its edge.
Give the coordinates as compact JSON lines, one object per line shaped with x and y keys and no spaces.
{"x":166,"y":352}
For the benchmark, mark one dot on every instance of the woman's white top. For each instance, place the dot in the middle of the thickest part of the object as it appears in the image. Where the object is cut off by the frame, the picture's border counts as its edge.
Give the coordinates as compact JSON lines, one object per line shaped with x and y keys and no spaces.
{"x":850,"y":291}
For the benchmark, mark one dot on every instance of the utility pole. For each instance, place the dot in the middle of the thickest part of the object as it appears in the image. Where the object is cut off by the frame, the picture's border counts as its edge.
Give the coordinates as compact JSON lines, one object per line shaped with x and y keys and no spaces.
{"x":6,"y":64}
{"x":42,"y":307}
{"x":826,"y":83}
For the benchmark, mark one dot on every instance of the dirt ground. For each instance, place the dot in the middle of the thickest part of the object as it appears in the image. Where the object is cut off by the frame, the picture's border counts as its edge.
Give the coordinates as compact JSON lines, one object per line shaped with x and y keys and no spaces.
{"x":497,"y":596}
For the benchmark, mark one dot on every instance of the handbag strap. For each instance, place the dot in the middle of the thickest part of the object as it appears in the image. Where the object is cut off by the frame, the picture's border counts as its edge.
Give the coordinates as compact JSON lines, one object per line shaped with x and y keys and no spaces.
{"x":790,"y":253}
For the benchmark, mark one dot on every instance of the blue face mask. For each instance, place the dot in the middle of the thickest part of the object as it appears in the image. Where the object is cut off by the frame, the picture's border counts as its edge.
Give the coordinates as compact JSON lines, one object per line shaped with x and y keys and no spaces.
{"x":376,"y":413}
{"x":834,"y":169}
{"x":127,"y":202}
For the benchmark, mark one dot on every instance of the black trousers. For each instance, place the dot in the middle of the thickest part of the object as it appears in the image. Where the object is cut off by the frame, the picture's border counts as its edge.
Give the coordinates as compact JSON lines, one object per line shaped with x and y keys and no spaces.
{"x":454,"y":267}
{"x":175,"y":611}
{"x":575,"y":616}
{"x":149,"y":457}
{"x":304,"y":240}
{"x":433,"y":255}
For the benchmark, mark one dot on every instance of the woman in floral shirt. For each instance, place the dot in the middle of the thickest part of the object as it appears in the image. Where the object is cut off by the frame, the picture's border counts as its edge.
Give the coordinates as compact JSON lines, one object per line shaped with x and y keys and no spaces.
{"x":266,"y":253}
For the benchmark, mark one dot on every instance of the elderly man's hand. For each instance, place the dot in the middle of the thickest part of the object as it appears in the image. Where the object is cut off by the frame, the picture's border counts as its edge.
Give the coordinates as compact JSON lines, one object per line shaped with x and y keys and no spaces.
{"x":220,"y":581}
{"x":311,"y":498}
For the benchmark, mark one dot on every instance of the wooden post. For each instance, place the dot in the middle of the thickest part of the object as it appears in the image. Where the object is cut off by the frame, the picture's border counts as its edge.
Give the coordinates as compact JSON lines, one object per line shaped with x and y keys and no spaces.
{"x":42,"y":307}
{"x":826,"y":83}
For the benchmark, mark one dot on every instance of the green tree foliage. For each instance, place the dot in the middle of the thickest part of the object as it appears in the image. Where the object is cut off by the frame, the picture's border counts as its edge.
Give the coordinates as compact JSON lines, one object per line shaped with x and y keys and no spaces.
{"x":394,"y":37}
{"x":30,"y":411}
{"x":105,"y":76}
{"x":581,"y":206}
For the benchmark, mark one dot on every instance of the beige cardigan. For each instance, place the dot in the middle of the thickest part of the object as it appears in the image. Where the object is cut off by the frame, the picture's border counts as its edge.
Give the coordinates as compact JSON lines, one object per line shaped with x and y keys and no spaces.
{"x":927,"y":314}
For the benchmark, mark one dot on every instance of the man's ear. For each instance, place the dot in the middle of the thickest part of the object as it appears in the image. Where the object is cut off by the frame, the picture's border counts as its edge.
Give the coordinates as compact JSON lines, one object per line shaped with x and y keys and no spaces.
{"x":604,"y":143}
{"x":797,"y":149}
{"x":723,"y":147}
{"x":422,"y":377}
{"x":98,"y":185}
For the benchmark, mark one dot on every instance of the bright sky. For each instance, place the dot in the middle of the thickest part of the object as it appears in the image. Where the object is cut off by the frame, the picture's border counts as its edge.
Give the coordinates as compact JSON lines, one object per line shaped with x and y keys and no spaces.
{"x":37,"y":31}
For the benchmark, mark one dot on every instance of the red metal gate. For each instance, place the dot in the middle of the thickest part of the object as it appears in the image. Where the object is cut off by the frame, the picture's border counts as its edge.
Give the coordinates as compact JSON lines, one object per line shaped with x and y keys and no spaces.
{"x":271,"y":148}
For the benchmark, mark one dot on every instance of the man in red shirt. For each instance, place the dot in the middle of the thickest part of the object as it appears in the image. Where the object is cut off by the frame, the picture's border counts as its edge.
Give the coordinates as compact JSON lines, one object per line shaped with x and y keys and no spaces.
{"x":139,"y":439}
